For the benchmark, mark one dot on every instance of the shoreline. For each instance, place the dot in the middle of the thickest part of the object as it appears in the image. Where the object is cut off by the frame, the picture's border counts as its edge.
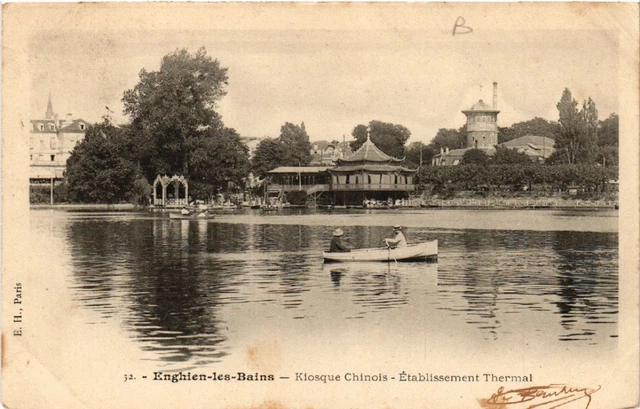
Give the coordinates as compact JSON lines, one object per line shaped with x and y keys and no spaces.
{"x":119,"y":206}
{"x":491,"y":204}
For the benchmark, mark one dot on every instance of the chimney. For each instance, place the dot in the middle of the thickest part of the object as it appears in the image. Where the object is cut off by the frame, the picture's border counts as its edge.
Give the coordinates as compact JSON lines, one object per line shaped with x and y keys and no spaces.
{"x":447,"y":151}
{"x":495,"y":95}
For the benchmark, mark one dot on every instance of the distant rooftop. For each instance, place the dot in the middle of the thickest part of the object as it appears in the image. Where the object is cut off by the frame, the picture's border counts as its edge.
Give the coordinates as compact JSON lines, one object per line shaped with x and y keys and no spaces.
{"x":299,"y":169}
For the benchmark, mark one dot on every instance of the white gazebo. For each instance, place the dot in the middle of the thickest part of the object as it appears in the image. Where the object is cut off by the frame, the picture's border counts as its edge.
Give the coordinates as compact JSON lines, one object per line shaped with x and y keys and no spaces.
{"x":170,"y":191}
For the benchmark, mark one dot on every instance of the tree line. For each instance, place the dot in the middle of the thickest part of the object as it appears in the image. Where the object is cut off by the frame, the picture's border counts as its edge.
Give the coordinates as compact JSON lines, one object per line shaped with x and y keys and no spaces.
{"x":534,"y":178}
{"x":175,"y":129}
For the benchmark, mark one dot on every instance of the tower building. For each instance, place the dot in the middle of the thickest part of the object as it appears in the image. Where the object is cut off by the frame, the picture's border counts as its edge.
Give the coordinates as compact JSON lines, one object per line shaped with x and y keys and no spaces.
{"x":482,"y":123}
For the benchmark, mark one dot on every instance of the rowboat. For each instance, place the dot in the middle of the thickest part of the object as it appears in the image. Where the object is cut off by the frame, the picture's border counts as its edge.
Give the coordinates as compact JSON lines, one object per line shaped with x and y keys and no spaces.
{"x":192,"y":216}
{"x":413,"y":252}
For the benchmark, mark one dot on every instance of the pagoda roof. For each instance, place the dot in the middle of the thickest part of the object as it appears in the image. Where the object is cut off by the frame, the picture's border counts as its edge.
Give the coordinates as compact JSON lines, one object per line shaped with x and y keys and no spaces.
{"x":372,"y":168}
{"x":369,"y":152}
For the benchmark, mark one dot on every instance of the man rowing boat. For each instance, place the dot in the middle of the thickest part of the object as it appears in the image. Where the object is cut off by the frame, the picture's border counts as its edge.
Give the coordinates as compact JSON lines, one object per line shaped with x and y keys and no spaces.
{"x":398,"y":239}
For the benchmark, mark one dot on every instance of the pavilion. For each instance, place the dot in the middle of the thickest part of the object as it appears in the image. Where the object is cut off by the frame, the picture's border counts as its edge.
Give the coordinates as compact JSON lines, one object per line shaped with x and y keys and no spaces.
{"x":368,"y":174}
{"x":170,"y":191}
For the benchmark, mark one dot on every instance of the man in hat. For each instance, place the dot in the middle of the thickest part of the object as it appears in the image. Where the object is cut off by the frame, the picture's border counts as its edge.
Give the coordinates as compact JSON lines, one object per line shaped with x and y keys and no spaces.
{"x":336,"y":242}
{"x":398,"y":239}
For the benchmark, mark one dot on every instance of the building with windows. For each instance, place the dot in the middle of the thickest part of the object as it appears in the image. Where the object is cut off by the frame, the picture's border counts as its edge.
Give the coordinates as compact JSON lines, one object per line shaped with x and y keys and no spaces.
{"x":368,"y":174}
{"x":51,"y":141}
{"x":482,"y":132}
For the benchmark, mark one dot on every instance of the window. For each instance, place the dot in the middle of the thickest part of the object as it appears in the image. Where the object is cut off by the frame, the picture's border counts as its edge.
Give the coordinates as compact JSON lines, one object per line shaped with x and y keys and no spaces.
{"x":31,"y":158}
{"x":52,"y":143}
{"x":41,"y":127}
{"x":369,"y":178}
{"x":53,"y":158}
{"x":347,"y":181}
{"x":82,"y":127}
{"x":52,"y":127}
{"x":456,"y":162}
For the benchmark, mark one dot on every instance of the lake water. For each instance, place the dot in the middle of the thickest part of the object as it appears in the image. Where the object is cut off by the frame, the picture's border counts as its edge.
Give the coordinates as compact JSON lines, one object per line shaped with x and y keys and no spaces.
{"x":183,"y":294}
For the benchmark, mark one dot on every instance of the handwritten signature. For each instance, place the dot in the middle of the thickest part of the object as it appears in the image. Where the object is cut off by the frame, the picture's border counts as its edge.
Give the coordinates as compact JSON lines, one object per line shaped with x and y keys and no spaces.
{"x":540,"y":397}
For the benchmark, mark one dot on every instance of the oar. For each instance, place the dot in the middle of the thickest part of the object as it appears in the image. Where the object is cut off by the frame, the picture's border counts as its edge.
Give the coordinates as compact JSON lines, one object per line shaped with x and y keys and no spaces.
{"x":389,"y":254}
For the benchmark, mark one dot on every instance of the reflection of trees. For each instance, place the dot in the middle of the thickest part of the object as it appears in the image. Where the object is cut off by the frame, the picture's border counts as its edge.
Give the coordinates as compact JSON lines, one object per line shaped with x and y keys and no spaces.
{"x":378,"y":287}
{"x":481,"y":279}
{"x":498,"y":272}
{"x":153,"y":270}
{"x":588,"y":282}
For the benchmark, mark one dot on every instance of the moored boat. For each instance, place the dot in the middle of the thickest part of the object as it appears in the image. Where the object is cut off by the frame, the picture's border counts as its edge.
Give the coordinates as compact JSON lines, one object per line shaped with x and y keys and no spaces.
{"x":191,"y":216}
{"x":413,"y":252}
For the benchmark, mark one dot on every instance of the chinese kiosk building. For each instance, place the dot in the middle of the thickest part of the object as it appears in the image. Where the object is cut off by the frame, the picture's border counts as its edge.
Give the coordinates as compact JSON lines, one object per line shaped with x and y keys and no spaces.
{"x":369,"y":174}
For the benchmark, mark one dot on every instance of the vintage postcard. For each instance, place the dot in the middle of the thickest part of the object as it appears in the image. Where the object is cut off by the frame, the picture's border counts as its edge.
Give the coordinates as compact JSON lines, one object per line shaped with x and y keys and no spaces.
{"x":320,"y":205}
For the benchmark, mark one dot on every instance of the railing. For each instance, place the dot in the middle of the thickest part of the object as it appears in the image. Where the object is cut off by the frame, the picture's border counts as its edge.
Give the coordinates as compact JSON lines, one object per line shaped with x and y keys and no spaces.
{"x":521,"y":203}
{"x":317,"y":188}
{"x":373,"y":186}
{"x":292,"y":188}
{"x":173,"y":202}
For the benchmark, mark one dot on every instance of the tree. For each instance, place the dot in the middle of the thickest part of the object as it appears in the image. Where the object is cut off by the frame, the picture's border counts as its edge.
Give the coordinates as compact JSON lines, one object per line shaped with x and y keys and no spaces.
{"x":389,"y":138}
{"x":173,"y":105}
{"x":577,"y":136}
{"x":296,"y":141}
{"x":269,"y":154}
{"x":536,"y":126}
{"x":590,"y":124}
{"x":449,"y":138}
{"x":417,"y":154}
{"x":475,"y":156}
{"x":608,"y":141}
{"x":218,"y":160}
{"x":608,"y":131}
{"x":504,"y":156}
{"x":141,"y":191}
{"x":100,"y":168}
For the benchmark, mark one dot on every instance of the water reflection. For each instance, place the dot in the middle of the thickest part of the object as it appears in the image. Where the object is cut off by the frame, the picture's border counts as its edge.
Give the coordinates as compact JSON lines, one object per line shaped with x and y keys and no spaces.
{"x":180,"y":288}
{"x":588,"y":289}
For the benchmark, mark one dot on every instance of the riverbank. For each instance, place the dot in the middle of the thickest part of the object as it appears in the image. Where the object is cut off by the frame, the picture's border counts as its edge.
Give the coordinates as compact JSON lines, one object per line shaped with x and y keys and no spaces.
{"x":467,"y":203}
{"x":74,"y":206}
{"x":521,"y":203}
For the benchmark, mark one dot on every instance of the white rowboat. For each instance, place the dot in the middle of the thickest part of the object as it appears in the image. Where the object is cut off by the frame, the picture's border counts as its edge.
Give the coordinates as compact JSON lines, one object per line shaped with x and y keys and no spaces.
{"x":192,"y":216}
{"x":414,"y":252}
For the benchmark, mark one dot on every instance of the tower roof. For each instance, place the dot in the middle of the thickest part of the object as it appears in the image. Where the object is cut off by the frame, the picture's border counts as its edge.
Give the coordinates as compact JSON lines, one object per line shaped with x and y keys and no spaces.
{"x":369,"y":152}
{"x":480,"y":106}
{"x":49,"y":114}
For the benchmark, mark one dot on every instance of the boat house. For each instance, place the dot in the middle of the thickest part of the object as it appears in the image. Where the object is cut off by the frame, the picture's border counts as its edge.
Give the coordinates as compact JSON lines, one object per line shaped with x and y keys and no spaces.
{"x":368,"y":174}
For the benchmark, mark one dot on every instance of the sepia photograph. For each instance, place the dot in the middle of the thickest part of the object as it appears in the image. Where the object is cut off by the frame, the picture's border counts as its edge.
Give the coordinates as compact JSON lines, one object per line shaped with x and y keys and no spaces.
{"x":320,"y":205}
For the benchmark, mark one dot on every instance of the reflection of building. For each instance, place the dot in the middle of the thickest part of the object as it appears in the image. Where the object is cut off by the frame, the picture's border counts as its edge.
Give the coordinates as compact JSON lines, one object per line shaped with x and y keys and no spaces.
{"x":537,"y":148}
{"x":367,"y":174}
{"x":482,"y":132}
{"x":51,"y":142}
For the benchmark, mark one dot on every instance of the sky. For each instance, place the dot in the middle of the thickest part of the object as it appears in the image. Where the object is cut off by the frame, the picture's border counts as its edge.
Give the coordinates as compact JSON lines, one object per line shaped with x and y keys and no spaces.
{"x":334,"y":76}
